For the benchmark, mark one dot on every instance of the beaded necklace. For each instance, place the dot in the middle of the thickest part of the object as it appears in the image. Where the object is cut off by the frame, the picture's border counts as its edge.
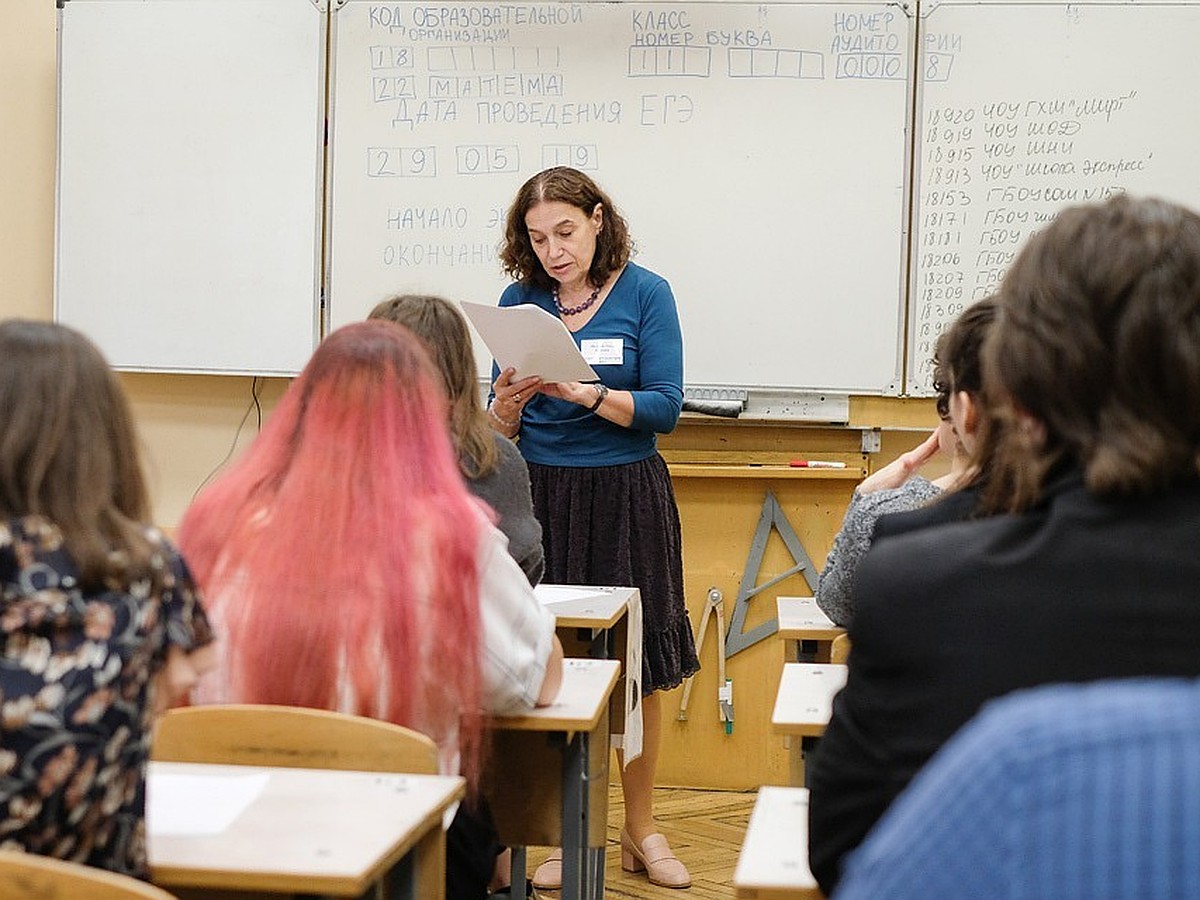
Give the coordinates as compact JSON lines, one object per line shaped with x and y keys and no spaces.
{"x":574,"y":310}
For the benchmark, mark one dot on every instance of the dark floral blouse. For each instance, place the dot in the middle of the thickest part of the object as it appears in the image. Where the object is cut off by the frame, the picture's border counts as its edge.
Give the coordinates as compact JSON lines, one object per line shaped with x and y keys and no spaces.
{"x":77,"y":696}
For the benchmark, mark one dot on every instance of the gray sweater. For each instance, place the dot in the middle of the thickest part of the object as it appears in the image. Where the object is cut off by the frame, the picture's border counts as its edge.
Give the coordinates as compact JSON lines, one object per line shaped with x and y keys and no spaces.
{"x":835,"y":588}
{"x":506,"y":490}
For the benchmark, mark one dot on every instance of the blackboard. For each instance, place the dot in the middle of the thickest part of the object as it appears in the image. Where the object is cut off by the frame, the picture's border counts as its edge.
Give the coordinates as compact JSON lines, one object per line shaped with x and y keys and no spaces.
{"x":189,"y":189}
{"x":758,"y":151}
{"x":1024,"y":108}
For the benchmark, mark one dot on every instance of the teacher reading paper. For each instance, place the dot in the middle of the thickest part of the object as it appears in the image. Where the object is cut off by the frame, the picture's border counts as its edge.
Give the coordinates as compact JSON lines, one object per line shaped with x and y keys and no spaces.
{"x":600,"y":489}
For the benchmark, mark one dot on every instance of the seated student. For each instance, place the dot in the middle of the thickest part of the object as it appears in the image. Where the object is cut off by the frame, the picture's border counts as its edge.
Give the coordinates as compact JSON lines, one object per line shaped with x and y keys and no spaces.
{"x":898,"y":487}
{"x":960,"y":347}
{"x":1093,"y":367}
{"x":350,"y":568}
{"x":1075,"y":792}
{"x":101,"y":624}
{"x":494,"y":468}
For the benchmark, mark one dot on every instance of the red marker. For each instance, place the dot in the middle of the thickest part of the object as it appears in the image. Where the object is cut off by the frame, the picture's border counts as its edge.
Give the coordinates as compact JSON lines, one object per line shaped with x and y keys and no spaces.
{"x":816,"y":464}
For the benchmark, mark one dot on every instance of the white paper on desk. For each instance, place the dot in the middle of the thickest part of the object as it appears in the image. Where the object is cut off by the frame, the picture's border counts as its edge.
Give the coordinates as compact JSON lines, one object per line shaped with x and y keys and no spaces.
{"x":527,"y":338}
{"x":549,"y":594}
{"x":195,"y":805}
{"x":632,"y":739}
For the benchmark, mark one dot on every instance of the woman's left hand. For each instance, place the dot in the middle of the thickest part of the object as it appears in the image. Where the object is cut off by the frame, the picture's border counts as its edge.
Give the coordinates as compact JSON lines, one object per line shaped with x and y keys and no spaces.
{"x":616,"y":406}
{"x":572,"y":391}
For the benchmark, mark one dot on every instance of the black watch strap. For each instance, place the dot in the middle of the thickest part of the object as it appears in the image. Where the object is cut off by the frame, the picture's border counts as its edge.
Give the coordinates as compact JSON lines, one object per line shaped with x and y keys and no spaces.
{"x":601,"y":393}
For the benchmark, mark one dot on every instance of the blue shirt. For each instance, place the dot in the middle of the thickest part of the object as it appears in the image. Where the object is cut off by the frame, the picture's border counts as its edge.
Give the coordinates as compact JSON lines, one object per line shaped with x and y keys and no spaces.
{"x":1075,"y":792}
{"x":640,"y":312}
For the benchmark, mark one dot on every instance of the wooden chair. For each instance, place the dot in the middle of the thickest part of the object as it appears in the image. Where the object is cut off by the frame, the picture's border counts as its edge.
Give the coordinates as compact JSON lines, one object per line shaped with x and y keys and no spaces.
{"x":839,"y":650}
{"x":26,"y":875}
{"x":291,"y":737}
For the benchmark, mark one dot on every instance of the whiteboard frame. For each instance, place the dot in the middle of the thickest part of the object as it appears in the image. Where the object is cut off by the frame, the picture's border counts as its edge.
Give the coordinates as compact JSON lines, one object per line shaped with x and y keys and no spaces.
{"x":926,"y":8}
{"x":83,"y":314}
{"x":810,"y":401}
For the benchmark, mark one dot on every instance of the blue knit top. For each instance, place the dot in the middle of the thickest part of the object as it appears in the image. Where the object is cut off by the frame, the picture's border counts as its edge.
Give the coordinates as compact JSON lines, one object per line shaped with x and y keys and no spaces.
{"x":639,"y":312}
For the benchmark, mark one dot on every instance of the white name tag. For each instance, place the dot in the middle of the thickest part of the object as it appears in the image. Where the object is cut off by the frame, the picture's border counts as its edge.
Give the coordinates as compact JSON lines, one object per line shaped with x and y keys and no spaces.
{"x":606,"y":352}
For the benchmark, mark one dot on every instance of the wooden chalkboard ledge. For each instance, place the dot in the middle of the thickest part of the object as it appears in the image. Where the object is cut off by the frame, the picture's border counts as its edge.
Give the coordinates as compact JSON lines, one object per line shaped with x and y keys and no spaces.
{"x":852,"y":472}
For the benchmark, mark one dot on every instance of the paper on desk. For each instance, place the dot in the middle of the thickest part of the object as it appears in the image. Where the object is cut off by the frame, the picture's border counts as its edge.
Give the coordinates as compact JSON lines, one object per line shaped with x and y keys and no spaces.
{"x":632,"y":739}
{"x":196,"y":805}
{"x":549,"y":594}
{"x":530,"y":340}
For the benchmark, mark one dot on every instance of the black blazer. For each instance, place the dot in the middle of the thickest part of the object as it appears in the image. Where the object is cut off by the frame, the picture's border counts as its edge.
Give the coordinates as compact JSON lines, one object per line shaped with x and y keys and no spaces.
{"x":951,"y":506}
{"x":953,"y":615}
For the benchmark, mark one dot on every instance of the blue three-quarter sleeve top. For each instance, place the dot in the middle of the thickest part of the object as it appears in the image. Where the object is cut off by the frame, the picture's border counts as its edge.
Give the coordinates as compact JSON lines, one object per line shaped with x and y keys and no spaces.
{"x":639,"y":313}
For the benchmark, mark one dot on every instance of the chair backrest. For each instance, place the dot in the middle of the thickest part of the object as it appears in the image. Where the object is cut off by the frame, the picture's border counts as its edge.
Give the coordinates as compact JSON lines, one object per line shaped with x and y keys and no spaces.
{"x":292,"y":737}
{"x":839,"y":649}
{"x":25,"y":875}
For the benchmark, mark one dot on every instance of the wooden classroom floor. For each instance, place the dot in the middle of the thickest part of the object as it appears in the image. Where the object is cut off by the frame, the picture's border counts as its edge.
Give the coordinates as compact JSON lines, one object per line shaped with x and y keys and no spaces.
{"x":705,"y":829}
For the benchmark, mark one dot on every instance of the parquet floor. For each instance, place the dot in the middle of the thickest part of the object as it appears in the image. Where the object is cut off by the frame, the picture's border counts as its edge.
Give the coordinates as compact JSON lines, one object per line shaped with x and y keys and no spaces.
{"x":705,"y":829}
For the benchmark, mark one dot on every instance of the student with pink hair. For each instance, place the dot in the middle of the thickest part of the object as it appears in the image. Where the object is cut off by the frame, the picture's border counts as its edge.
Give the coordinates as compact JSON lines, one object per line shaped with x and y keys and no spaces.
{"x":349,"y":568}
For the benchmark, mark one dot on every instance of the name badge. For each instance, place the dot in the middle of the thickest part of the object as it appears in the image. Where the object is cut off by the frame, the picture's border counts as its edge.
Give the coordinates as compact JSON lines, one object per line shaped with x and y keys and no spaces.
{"x":606,"y":352}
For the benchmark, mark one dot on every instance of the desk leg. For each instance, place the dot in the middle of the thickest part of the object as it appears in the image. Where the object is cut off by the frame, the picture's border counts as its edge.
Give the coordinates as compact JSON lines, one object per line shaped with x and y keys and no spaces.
{"x":517,"y":869}
{"x":808,"y":651}
{"x":596,"y":857}
{"x":807,"y":746}
{"x":598,"y":642}
{"x":401,"y":882}
{"x":575,"y":817}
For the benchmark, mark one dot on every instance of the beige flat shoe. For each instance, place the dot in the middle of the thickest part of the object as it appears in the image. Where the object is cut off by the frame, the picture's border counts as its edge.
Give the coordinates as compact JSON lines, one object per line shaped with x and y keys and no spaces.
{"x":548,"y":876}
{"x":661,"y":866}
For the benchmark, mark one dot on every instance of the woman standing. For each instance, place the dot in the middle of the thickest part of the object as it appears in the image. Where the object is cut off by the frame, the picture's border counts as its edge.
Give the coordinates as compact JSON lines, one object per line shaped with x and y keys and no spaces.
{"x":100,"y":623}
{"x":600,"y":489}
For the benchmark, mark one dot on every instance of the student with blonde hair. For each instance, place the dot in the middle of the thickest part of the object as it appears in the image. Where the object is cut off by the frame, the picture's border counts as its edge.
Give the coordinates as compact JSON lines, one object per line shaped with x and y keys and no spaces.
{"x":492,"y":465}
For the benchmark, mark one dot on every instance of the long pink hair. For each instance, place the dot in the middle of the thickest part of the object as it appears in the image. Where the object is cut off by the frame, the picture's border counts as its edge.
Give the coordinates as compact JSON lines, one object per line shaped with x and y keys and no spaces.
{"x":340,"y":550}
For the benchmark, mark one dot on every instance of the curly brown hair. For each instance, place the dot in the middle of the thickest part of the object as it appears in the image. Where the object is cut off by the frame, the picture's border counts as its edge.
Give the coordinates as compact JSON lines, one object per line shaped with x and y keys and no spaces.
{"x":614,"y":247}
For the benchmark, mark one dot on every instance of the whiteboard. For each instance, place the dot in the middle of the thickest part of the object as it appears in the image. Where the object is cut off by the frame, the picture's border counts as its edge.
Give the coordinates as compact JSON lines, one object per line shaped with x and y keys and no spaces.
{"x":757,"y":150}
{"x":189,"y":178}
{"x":1024,"y":108}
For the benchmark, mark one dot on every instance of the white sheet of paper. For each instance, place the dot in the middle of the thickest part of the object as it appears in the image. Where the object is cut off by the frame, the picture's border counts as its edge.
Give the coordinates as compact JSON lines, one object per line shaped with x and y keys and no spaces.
{"x":530,"y":340}
{"x":548,"y":594}
{"x":196,"y":805}
{"x":632,"y":743}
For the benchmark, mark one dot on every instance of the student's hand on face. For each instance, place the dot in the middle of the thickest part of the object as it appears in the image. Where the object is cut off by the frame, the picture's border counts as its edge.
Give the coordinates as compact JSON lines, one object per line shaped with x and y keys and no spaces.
{"x":902,"y":468}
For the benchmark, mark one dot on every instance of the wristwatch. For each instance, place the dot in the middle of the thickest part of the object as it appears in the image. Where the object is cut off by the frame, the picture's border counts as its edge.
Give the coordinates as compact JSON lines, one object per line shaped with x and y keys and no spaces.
{"x":601,"y":393}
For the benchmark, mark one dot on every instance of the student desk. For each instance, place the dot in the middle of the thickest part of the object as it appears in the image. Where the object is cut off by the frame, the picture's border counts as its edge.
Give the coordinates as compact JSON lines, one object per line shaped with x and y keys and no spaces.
{"x":598,"y":622}
{"x":808,"y":631}
{"x":592,"y":621}
{"x":803,"y":706}
{"x":311,"y":831}
{"x":548,"y":778}
{"x":774,"y":858}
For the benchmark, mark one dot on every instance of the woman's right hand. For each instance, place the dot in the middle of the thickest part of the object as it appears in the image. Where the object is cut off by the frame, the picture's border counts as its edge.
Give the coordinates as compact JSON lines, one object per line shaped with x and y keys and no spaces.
{"x":509,"y":397}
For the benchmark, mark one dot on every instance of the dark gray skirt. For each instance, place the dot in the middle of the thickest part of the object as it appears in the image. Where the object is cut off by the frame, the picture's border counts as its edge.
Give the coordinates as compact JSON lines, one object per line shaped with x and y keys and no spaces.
{"x":619,"y":526}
